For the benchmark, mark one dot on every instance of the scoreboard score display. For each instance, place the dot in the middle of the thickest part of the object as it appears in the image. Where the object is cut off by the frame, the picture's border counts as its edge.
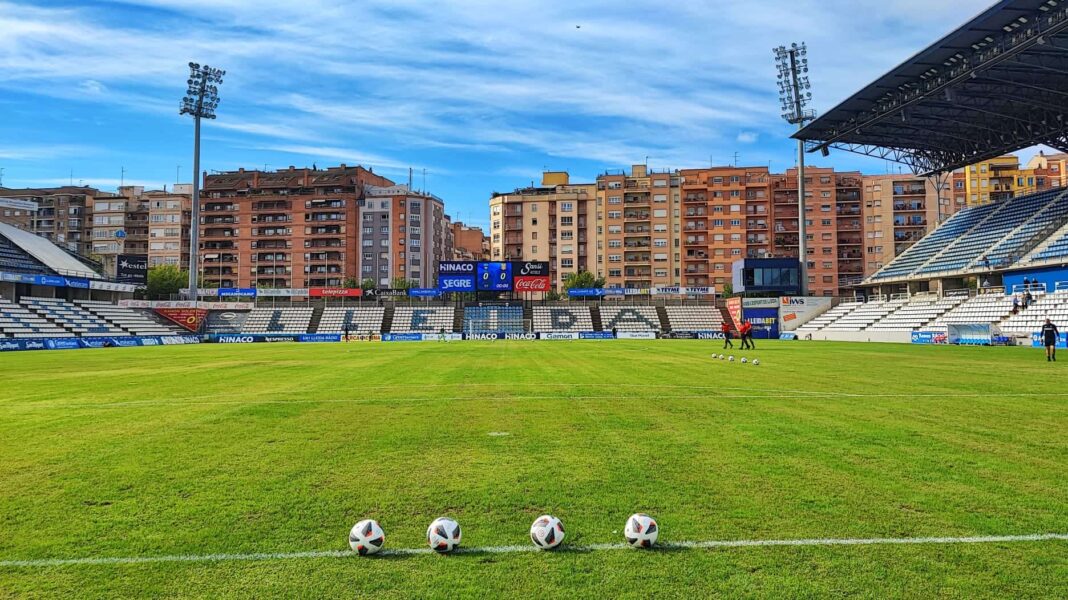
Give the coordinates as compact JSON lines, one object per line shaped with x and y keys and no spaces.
{"x":470,"y":276}
{"x":495,"y":276}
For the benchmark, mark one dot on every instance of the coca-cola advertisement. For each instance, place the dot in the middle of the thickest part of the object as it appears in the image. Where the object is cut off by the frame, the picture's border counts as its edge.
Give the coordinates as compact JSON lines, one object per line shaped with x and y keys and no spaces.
{"x":531,"y":284}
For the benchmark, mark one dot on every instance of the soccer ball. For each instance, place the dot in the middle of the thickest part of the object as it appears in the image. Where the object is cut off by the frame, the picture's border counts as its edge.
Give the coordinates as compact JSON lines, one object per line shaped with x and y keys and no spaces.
{"x":756,"y":361}
{"x":366,"y":537}
{"x":641,"y":531}
{"x":744,"y":360}
{"x":730,"y":358}
{"x":721,"y":357}
{"x":443,"y":535}
{"x":547,"y":532}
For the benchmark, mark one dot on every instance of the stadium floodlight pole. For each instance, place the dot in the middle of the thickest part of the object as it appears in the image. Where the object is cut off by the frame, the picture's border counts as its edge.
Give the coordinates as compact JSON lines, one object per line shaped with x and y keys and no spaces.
{"x":793,"y":98}
{"x":200,"y":101}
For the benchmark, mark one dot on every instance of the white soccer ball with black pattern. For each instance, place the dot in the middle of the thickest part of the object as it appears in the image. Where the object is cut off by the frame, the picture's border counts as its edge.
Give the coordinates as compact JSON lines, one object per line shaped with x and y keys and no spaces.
{"x":730,"y":358}
{"x":547,"y":532}
{"x":756,"y":361}
{"x":443,"y":535}
{"x":641,"y":531}
{"x":744,"y":360}
{"x":366,"y":537}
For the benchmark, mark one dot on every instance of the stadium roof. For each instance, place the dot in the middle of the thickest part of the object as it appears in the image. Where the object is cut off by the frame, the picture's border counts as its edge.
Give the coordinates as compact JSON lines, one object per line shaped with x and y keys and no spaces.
{"x":46,"y":252}
{"x":997,"y":84}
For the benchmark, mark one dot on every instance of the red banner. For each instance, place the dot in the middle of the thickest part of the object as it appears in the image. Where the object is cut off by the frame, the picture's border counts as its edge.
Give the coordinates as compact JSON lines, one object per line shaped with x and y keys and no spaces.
{"x":335,"y":292}
{"x":531,"y":284}
{"x":188,"y":318}
{"x":734,"y":308}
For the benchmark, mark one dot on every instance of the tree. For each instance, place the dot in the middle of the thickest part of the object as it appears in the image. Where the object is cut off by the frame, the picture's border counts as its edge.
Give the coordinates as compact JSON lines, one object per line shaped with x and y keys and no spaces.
{"x":552,"y":296}
{"x":165,"y":281}
{"x":367,"y":284}
{"x":401,"y":283}
{"x":582,"y":279}
{"x":728,"y":290}
{"x":351,"y":283}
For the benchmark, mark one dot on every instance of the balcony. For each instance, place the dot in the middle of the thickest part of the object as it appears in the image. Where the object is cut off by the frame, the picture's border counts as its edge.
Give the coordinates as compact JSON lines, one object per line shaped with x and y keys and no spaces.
{"x":272,"y":270}
{"x":696,"y":270}
{"x":693,"y":255}
{"x":325,"y":230}
{"x":271,"y":231}
{"x":639,"y":257}
{"x":636,"y":245}
{"x":635,"y":216}
{"x":695,"y":212}
{"x":638,"y":230}
{"x":637,"y":199}
{"x":909,"y":206}
{"x":909,"y":191}
{"x":218,"y":232}
{"x":910,"y":223}
{"x":218,"y":207}
{"x":513,"y":224}
{"x":696,"y":226}
{"x":756,"y":239}
{"x":850,"y":241}
{"x":217,"y":245}
{"x":324,"y":203}
{"x":327,"y":243}
{"x":513,"y":211}
{"x":272,"y":283}
{"x":275,"y":218}
{"x":841,"y":211}
{"x":325,"y":216}
{"x":279,"y":205}
{"x":696,"y":198}
{"x":326,"y":257}
{"x":849,"y":226}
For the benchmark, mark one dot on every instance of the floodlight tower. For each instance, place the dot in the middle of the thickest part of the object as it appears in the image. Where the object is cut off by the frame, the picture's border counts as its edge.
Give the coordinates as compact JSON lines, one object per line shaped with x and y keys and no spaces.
{"x":200,"y":102}
{"x":793,"y":98}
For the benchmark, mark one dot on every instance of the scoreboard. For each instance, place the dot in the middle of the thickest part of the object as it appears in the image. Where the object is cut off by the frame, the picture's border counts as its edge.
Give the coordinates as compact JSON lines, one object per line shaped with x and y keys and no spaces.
{"x":495,"y":276}
{"x":499,"y":276}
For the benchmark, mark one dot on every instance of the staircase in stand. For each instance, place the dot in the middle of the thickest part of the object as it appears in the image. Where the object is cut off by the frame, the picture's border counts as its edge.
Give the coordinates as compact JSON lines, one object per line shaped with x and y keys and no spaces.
{"x":665,"y":323}
{"x":317,"y":315}
{"x":595,"y":316}
{"x":387,"y":318}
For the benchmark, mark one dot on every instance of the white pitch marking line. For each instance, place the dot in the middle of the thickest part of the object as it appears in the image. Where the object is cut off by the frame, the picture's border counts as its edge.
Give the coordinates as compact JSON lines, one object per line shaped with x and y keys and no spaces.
{"x":755,"y":395}
{"x":262,"y":556}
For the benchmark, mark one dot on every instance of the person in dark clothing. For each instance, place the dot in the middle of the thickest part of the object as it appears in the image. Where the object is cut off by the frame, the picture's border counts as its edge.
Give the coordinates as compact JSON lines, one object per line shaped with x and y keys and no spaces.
{"x":1049,"y":340}
{"x":1028,"y":298}
{"x":1015,"y":305}
{"x":726,"y":329}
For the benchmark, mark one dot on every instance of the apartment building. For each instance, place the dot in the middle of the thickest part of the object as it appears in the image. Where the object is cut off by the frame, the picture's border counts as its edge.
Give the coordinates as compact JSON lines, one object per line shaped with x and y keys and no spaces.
{"x":726,"y":216}
{"x":61,"y":215}
{"x":298,"y":228}
{"x":469,"y":242}
{"x":402,"y":235}
{"x":554,"y":222}
{"x":901,"y":209}
{"x":169,"y":217}
{"x":637,"y":218}
{"x":1002,"y":177}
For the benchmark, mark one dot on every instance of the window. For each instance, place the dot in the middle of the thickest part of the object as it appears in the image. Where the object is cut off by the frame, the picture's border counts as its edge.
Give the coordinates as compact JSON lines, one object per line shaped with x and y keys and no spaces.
{"x":615,"y":200}
{"x":660,"y":243}
{"x":614,"y":258}
{"x":660,"y":213}
{"x":567,"y":206}
{"x":567,"y":263}
{"x":567,"y":221}
{"x":615,"y":243}
{"x":567,"y":235}
{"x":533,"y":249}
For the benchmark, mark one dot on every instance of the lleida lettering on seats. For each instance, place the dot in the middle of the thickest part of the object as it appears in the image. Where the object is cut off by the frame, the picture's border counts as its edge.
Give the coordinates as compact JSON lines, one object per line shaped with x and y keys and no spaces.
{"x":629,"y":315}
{"x":562,"y":318}
{"x":420,"y":318}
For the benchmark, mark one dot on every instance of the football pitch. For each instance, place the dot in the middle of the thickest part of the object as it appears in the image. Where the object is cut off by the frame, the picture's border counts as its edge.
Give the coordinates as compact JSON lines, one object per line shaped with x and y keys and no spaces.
{"x":236,"y":471}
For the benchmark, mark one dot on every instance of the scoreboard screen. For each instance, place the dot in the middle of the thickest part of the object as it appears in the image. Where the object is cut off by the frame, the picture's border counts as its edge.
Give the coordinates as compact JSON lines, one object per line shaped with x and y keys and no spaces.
{"x":494,"y":276}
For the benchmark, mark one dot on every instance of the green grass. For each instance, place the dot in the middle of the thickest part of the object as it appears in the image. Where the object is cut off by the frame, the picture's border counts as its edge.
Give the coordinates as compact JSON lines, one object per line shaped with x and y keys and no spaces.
{"x":281,"y":448}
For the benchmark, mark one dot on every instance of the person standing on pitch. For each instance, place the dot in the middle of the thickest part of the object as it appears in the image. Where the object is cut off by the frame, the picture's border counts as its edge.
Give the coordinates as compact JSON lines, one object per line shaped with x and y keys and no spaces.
{"x":747,"y":336}
{"x":1049,"y":339}
{"x":726,"y":329}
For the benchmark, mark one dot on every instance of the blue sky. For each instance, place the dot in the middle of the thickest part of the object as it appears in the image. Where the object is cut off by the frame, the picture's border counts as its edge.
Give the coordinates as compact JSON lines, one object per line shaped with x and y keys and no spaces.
{"x":482,"y":94}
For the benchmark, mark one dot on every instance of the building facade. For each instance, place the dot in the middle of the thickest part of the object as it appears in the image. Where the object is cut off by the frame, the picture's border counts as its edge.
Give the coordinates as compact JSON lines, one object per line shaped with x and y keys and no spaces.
{"x":901,"y":209}
{"x":637,"y":225}
{"x":62,"y":214}
{"x":299,"y":228}
{"x":555,"y":222}
{"x":469,"y":242}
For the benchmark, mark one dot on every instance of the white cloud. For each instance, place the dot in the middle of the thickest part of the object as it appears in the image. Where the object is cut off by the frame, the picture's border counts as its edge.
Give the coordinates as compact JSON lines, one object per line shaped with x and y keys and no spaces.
{"x":748,"y":137}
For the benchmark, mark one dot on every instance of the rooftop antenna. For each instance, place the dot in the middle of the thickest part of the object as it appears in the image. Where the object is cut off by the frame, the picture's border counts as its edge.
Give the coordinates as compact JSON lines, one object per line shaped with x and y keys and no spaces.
{"x":122,"y":177}
{"x":736,"y":160}
{"x":177,"y":174}
{"x":1,"y":176}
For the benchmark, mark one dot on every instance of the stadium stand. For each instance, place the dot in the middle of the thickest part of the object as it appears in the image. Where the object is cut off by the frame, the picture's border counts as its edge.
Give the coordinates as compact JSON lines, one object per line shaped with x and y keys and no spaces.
{"x":629,"y":318}
{"x":866,"y":315}
{"x":71,"y":317}
{"x":996,"y":235}
{"x":490,"y":319}
{"x":430,"y":319}
{"x":278,"y":320}
{"x":924,"y":250}
{"x":694,"y":318}
{"x":355,"y":320}
{"x":1046,"y":306}
{"x":225,"y":321}
{"x":919,"y":311}
{"x":133,"y":322}
{"x":829,"y":317}
{"x":14,"y":260}
{"x":18,"y":322}
{"x":984,"y":308}
{"x":1056,"y":247}
{"x":562,"y":318}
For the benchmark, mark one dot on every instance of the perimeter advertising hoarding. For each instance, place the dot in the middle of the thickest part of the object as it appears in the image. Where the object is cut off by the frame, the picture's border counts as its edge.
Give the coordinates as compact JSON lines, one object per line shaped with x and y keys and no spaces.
{"x":188,"y":318}
{"x":335,"y":292}
{"x":795,"y":311}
